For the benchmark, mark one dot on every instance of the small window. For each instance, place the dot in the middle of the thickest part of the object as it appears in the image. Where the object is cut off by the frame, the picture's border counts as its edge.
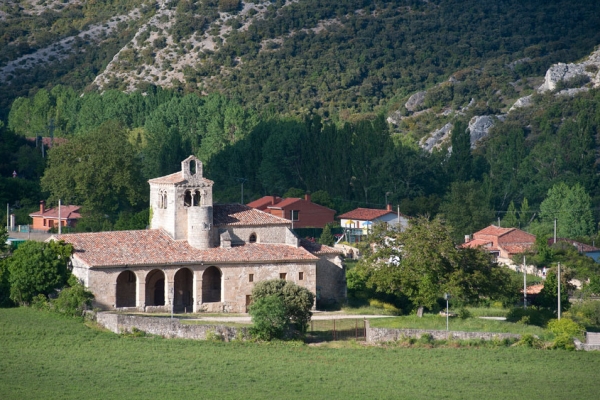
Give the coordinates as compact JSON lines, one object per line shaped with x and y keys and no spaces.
{"x":294,"y":215}
{"x":251,"y":278}
{"x":252,"y":238}
{"x":282,"y":275}
{"x":300,"y":276}
{"x":45,"y":222}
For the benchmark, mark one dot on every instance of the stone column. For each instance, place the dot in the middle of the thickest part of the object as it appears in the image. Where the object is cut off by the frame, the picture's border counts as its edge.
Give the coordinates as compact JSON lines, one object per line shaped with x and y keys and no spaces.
{"x":140,"y":294}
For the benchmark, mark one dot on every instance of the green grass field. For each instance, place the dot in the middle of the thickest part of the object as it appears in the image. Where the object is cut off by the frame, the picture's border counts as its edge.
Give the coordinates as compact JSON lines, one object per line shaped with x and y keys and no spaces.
{"x":45,"y":356}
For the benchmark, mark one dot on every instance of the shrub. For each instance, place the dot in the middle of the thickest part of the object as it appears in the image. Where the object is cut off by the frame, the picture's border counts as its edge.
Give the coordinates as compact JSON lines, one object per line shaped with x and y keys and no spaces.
{"x":530,"y":316}
{"x":73,"y":300}
{"x":528,"y":340}
{"x":269,"y":317}
{"x":298,"y":301}
{"x":586,"y":313}
{"x":463,"y":313}
{"x":563,"y":342}
{"x":565,"y":326}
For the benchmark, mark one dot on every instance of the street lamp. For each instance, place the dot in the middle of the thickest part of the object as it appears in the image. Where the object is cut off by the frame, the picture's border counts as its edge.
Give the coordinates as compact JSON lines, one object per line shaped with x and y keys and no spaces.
{"x":447,"y":297}
{"x":171,"y":298}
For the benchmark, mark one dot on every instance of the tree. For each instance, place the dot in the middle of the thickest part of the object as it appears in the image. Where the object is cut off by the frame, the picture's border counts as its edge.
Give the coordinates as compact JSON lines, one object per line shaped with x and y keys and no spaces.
{"x":548,"y":297}
{"x":298,"y":300}
{"x":327,"y":237}
{"x":269,"y":316}
{"x":98,"y":171}
{"x":422,"y":263}
{"x":510,"y":218}
{"x":460,"y":163}
{"x":37,"y":268}
{"x":571,"y":207}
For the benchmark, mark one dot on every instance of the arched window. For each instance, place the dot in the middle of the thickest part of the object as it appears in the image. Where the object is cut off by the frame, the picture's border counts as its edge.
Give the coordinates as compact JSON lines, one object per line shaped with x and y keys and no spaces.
{"x":196,"y":198}
{"x":252,"y":238}
{"x":187,"y":199}
{"x":193,"y":167}
{"x":162,"y":199}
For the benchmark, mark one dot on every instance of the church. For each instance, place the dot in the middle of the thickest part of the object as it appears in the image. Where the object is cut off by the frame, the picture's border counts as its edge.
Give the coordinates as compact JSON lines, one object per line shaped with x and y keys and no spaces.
{"x":198,"y":256}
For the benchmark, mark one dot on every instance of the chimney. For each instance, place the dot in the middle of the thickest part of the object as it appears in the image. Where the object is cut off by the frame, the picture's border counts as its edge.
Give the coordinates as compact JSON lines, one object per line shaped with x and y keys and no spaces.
{"x":388,"y":207}
{"x":307,"y":196}
{"x":42,"y":206}
{"x":467,"y":238}
{"x":273,"y":200}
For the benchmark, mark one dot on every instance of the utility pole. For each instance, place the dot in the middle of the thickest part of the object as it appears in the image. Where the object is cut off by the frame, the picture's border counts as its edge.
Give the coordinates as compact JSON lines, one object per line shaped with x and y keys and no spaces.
{"x":59,"y":222}
{"x":524,"y":285}
{"x":554,"y":231}
{"x":242,"y":180}
{"x":499,"y":222}
{"x":559,"y":290}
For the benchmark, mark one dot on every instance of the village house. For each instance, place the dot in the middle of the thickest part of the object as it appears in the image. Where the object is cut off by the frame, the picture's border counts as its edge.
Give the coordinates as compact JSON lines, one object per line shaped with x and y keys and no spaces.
{"x":502,"y":243}
{"x":199,"y":256}
{"x":302,"y":212}
{"x":46,"y":219}
{"x":358,"y":222}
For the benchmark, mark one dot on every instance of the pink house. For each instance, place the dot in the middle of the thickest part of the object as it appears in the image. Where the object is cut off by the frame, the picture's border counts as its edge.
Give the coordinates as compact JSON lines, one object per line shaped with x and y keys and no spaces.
{"x":46,"y":219}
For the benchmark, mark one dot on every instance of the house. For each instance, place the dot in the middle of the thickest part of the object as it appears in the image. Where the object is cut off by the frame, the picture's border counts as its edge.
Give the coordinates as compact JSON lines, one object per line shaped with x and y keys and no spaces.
{"x":302,"y":212}
{"x":46,"y":219}
{"x":582,"y":248}
{"x":199,"y":256}
{"x":358,"y":222}
{"x":503,"y":243}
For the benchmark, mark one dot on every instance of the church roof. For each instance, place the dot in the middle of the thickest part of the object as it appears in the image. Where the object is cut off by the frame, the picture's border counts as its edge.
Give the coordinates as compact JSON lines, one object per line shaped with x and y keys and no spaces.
{"x":174,"y":178}
{"x":156,"y":247}
{"x":242,"y":215}
{"x":318,"y":248}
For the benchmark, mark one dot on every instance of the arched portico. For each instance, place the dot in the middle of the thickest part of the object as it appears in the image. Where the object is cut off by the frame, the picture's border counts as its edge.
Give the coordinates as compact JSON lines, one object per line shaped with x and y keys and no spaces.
{"x":155,"y":288}
{"x":126,"y":289}
{"x":183,"y":283}
{"x":211,"y":285}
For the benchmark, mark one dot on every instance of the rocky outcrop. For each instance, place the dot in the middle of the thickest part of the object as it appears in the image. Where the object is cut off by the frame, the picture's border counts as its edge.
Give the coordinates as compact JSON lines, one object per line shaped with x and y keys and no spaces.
{"x":480,"y":127}
{"x":415,"y":101}
{"x":561,"y":72}
{"x":436,"y":138}
{"x":522,"y":102}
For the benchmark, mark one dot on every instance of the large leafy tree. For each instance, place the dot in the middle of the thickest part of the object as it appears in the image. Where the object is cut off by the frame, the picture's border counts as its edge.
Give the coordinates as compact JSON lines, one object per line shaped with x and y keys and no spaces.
{"x":37,"y":268}
{"x":422,"y":263}
{"x":572,"y":209}
{"x":99,"y":171}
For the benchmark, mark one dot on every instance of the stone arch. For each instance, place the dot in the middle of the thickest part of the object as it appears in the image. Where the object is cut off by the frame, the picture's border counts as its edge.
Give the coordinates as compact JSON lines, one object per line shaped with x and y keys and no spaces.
{"x":126,"y":289}
{"x":211,"y":285}
{"x":196,"y":198}
{"x":155,"y":288}
{"x":252,"y":238}
{"x":183,"y":284}
{"x":187,"y":198}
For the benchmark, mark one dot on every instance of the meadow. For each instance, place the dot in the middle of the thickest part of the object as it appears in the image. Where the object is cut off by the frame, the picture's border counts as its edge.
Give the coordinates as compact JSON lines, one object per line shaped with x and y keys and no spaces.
{"x":49,"y":356}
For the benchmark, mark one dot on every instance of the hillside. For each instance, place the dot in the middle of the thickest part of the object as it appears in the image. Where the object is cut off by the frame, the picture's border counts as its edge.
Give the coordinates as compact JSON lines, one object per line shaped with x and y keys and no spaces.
{"x":335,"y":57}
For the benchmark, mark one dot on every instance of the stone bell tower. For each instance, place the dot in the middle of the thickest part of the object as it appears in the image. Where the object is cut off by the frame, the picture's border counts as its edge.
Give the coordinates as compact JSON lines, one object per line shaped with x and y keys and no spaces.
{"x":181,"y":204}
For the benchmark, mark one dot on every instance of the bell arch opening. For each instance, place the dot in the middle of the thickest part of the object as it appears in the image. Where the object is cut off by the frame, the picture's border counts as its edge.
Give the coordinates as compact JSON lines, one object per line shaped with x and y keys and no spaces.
{"x":183,"y":290}
{"x":126,"y":289}
{"x":155,"y":288}
{"x":211,"y":285}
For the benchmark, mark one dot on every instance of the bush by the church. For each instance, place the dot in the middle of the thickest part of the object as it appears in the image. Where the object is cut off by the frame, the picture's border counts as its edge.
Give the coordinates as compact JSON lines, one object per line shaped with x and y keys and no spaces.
{"x":269,"y":318}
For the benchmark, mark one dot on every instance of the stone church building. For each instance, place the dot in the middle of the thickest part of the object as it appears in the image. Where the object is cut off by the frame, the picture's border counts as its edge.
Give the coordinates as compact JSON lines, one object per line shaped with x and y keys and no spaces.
{"x":199,"y":256}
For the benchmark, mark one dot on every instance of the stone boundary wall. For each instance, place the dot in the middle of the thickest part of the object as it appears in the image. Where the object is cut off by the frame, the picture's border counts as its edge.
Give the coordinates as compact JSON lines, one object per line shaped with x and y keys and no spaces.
{"x":375,"y":335}
{"x":592,"y":342}
{"x":166,"y":327}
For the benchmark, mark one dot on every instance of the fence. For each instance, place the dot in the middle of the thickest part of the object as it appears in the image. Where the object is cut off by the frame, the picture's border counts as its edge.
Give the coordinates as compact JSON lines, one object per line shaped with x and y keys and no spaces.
{"x":337,"y":329}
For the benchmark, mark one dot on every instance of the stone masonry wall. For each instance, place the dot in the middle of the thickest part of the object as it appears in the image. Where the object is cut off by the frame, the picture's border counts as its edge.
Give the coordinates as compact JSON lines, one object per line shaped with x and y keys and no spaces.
{"x":166,"y":327}
{"x":375,"y":335}
{"x":331,"y":278}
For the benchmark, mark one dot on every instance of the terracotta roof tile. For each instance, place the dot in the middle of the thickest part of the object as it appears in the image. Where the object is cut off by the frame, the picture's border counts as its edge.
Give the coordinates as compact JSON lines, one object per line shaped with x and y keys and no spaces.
{"x":516,"y":248}
{"x":66,"y":212}
{"x":366,"y":214}
{"x":174,"y":178}
{"x":156,"y":247}
{"x":476,"y":243}
{"x":263,"y":202}
{"x":242,"y":215}
{"x":494,"y":231}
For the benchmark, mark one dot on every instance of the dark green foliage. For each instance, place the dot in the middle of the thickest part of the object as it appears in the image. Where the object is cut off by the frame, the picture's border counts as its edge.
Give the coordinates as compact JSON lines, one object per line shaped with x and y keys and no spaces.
{"x":269,"y":318}
{"x":73,"y":300}
{"x":327,"y":237}
{"x":37,"y":268}
{"x":298,"y":300}
{"x":530,"y":316}
{"x":548,"y":297}
{"x":586,"y":313}
{"x":460,"y":163}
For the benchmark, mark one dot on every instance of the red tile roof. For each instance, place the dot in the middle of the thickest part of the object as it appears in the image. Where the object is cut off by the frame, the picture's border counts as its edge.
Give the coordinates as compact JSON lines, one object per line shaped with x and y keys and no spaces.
{"x":494,"y":231}
{"x":366,"y":214}
{"x":318,"y":248}
{"x":516,"y":248}
{"x":240,"y":215}
{"x":156,"y":247}
{"x":174,"y":178}
{"x":478,"y":243}
{"x":263,"y":202}
{"x":286,"y":202}
{"x":66,"y":212}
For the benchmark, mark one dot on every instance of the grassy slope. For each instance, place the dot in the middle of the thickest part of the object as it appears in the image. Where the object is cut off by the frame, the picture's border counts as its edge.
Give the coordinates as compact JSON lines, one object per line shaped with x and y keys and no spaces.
{"x":45,"y":356}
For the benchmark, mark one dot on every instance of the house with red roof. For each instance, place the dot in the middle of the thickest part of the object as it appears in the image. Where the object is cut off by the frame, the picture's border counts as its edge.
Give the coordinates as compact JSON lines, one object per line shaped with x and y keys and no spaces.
{"x":358,"y":222}
{"x":503,"y":243}
{"x":46,"y":219}
{"x":199,"y":256}
{"x":302,"y":212}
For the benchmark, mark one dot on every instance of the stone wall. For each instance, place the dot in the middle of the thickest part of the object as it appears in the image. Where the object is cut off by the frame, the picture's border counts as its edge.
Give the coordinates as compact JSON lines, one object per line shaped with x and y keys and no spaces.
{"x":331,"y":279}
{"x":166,"y":327}
{"x":375,"y":335}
